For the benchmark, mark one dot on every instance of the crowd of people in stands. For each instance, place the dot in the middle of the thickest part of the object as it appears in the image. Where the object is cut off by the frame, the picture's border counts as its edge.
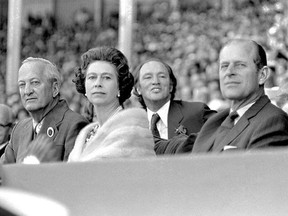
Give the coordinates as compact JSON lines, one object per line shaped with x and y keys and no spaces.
{"x":188,"y":38}
{"x":231,"y":97}
{"x":192,"y":79}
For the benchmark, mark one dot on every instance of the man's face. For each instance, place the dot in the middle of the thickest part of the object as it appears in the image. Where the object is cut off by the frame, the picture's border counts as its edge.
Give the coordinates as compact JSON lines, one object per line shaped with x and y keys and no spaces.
{"x":154,"y":83}
{"x":35,"y":89}
{"x":238,"y":74}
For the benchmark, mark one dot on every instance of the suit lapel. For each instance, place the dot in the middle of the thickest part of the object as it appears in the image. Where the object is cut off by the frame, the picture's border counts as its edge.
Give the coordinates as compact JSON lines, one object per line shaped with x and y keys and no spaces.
{"x":24,"y":137}
{"x":27,"y":134}
{"x":207,"y":134}
{"x":175,"y":117}
{"x":53,"y":119}
{"x":243,"y":122}
{"x":233,"y":133}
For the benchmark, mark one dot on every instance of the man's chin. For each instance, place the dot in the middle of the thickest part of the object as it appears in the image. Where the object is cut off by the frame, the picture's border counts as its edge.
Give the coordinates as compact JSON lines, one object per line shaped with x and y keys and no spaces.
{"x":31,"y":108}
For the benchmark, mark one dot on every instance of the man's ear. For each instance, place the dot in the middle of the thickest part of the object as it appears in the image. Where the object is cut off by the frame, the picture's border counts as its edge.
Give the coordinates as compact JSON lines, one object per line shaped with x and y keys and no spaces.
{"x":55,"y":89}
{"x":171,"y":87}
{"x":264,"y":74}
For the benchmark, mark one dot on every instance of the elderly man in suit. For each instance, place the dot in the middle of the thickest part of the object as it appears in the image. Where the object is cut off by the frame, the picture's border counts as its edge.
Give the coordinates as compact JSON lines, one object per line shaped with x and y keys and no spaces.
{"x":155,"y":86}
{"x":50,"y":119}
{"x":252,"y":122}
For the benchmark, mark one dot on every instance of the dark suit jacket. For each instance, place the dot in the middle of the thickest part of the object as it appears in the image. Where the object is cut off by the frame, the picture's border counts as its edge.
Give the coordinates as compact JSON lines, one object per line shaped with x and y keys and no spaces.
{"x":190,"y":115}
{"x":66,"y":125}
{"x":262,"y":125}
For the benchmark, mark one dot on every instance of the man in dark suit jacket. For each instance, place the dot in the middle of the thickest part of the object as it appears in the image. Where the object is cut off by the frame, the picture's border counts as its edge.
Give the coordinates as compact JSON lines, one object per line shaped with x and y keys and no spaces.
{"x":155,"y":86}
{"x":258,"y":123}
{"x":49,"y":134}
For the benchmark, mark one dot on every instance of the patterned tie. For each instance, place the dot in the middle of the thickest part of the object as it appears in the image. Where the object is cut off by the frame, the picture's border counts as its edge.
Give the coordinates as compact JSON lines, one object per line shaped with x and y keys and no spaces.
{"x":225,"y":127}
{"x":154,"y":120}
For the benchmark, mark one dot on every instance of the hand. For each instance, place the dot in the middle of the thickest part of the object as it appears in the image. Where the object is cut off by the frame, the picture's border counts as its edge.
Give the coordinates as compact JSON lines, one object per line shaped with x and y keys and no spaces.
{"x":42,"y":148}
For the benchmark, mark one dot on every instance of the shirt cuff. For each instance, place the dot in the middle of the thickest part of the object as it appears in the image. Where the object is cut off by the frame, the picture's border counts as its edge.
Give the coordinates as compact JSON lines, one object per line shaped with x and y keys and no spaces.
{"x":31,"y":159}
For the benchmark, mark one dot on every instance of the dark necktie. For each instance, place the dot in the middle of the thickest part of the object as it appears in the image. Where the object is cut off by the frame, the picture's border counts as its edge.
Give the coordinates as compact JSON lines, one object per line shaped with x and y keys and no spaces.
{"x":34,"y":133}
{"x":154,"y":120}
{"x":225,"y":127}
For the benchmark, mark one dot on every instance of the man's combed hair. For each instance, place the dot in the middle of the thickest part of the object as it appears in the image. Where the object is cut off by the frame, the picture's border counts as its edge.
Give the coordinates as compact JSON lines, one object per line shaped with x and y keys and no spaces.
{"x":113,"y":56}
{"x":260,"y":58}
{"x":51,"y":71}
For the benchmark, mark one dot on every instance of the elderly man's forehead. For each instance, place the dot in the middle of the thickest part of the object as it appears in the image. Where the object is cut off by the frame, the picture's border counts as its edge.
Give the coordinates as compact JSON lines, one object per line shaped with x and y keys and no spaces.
{"x":40,"y":65}
{"x":153,"y":63}
{"x":33,"y":68}
{"x":247,"y":47}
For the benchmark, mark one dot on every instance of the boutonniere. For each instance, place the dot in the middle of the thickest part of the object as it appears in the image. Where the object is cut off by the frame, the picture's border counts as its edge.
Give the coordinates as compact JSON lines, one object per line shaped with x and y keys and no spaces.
{"x":181,"y":130}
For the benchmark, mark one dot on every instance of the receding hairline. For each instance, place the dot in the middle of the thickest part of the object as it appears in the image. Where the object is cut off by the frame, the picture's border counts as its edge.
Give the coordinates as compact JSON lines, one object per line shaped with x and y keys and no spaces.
{"x":154,"y":60}
{"x":39,"y":60}
{"x":247,"y":44}
{"x":45,"y":65}
{"x":255,"y":49}
{"x":42,"y":62}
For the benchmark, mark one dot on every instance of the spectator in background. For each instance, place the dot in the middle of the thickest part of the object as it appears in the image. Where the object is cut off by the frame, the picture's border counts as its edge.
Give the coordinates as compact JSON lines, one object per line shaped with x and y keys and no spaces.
{"x":155,"y":86}
{"x":6,"y":124}
{"x":282,"y":96}
{"x":189,"y":37}
{"x":105,"y":80}
{"x":50,"y":119}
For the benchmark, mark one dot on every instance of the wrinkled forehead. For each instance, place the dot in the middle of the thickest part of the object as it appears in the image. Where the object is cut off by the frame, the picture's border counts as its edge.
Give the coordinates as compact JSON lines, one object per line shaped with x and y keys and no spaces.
{"x":31,"y":69}
{"x":238,"y":50}
{"x":153,"y":66}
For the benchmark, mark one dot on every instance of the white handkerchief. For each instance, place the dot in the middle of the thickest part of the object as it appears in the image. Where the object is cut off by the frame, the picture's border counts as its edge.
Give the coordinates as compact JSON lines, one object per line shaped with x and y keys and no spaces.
{"x":227,"y":147}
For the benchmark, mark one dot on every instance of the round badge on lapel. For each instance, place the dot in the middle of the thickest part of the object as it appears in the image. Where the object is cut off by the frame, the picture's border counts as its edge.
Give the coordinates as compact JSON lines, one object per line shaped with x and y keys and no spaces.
{"x":50,"y":132}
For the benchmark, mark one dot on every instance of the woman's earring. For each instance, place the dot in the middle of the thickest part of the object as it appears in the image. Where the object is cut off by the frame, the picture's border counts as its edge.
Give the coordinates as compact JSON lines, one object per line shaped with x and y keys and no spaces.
{"x":85,"y":95}
{"x":118,"y":95}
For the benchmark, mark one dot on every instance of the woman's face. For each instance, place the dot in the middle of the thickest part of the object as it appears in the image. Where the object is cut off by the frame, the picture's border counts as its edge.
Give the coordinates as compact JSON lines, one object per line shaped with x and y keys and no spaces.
{"x":101,"y":83}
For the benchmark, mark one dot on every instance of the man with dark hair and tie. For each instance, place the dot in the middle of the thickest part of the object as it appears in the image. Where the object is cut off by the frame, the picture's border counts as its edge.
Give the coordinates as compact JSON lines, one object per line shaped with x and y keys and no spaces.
{"x":155,"y":87}
{"x":252,"y":122}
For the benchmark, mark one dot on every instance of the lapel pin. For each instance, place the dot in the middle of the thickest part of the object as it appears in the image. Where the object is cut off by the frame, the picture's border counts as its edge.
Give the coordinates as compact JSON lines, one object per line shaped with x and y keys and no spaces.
{"x":50,"y":132}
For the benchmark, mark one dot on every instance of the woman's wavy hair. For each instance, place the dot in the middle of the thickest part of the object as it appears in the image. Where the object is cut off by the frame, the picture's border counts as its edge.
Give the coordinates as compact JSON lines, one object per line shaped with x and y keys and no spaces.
{"x":113,"y":56}
{"x":136,"y":75}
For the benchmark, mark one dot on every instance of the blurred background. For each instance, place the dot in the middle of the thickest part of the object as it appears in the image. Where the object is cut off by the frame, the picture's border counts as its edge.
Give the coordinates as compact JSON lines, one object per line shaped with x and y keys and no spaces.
{"x":187,"y":34}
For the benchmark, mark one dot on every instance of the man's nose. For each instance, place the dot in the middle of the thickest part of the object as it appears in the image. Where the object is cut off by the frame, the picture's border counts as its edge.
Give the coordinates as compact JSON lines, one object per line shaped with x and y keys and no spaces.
{"x":28,"y":89}
{"x":155,"y":80}
{"x":98,"y":81}
{"x":230,"y":70}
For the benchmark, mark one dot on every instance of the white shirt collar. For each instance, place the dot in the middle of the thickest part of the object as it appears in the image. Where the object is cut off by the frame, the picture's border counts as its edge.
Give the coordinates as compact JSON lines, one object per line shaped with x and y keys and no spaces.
{"x":162,"y":112}
{"x":37,"y":126}
{"x":242,"y":110}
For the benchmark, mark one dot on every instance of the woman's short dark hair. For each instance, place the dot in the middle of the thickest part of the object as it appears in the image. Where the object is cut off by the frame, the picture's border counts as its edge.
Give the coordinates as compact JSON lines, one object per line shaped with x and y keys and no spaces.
{"x":113,"y":56}
{"x":136,"y":74}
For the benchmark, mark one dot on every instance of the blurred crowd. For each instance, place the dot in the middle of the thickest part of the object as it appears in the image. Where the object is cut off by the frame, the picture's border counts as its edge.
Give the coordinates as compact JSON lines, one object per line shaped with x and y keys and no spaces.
{"x":187,"y":37}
